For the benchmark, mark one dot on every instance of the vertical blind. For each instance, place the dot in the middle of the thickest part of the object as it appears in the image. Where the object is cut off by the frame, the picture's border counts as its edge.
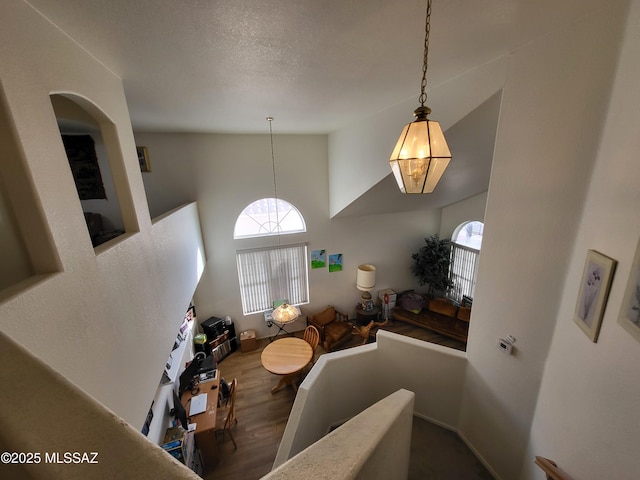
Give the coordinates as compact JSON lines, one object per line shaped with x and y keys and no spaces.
{"x":464,"y":265}
{"x":273,"y":273}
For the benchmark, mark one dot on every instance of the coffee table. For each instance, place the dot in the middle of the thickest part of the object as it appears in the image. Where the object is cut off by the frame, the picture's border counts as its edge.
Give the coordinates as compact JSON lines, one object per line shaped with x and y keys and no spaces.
{"x":286,"y":357}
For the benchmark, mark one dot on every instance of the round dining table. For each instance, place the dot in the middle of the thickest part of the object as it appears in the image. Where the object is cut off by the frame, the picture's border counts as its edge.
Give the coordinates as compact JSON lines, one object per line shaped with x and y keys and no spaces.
{"x":286,"y":357}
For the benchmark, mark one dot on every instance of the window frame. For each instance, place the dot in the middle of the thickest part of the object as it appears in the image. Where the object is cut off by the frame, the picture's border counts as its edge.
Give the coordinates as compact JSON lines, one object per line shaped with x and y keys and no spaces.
{"x":463,"y":266}
{"x":270,"y":221}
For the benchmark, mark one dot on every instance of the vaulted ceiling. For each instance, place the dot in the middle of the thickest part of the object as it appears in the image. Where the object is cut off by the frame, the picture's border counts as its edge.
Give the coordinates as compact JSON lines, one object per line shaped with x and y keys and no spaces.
{"x":315,"y":65}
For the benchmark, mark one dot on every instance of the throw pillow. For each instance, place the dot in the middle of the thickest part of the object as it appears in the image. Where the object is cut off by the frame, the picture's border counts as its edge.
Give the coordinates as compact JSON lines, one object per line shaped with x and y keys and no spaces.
{"x":413,"y":302}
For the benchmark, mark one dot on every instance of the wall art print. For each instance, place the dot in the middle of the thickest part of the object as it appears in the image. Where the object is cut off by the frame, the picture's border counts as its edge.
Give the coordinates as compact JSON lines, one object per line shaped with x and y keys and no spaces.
{"x":318,"y":258}
{"x":629,"y":316}
{"x":594,"y":290}
{"x":143,"y":159}
{"x":335,"y":262}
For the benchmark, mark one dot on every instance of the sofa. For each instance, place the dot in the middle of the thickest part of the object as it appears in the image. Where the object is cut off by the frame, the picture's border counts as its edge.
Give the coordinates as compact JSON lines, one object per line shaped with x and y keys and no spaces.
{"x":438,"y":314}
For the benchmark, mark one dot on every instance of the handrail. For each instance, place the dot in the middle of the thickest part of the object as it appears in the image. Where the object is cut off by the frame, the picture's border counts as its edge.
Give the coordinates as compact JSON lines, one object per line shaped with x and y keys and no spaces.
{"x":551,"y":469}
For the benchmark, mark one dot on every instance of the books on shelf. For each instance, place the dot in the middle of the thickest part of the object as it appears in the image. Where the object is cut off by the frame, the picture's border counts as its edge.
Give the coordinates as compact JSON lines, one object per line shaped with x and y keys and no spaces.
{"x":221,"y":351}
{"x":220,"y":339}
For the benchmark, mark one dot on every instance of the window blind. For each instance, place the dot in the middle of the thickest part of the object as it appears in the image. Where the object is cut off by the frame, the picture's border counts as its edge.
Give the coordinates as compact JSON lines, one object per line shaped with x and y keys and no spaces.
{"x":273,"y":273}
{"x":464,"y":265}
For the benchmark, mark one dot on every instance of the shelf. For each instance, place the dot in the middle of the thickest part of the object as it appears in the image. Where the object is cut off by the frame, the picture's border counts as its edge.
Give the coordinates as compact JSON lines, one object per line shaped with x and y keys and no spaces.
{"x":176,"y":357}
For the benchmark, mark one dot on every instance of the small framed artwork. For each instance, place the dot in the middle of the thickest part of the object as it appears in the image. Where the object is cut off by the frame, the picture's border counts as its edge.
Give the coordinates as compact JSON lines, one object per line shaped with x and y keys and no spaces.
{"x":335,"y":262}
{"x":594,"y":290}
{"x":318,"y":258}
{"x":143,"y":159}
{"x":630,"y":312}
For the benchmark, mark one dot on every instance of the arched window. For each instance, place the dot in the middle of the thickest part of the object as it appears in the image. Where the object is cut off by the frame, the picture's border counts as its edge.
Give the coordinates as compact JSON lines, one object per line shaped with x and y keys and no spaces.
{"x":466,"y":242}
{"x":271,"y":274}
{"x":469,"y":234}
{"x":268,"y":216}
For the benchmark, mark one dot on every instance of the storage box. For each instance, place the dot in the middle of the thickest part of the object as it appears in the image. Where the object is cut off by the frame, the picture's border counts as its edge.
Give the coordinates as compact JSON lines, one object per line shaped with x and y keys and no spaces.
{"x":392,"y":297}
{"x":248,"y":341}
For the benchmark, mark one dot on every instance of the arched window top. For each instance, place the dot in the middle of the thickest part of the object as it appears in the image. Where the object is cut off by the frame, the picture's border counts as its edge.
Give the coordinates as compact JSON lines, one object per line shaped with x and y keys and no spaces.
{"x":268,"y":216}
{"x":469,"y":234}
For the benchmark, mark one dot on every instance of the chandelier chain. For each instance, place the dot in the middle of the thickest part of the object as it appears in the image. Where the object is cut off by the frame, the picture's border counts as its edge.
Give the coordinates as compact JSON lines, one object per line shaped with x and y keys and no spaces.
{"x":275,"y":185}
{"x":423,"y":86}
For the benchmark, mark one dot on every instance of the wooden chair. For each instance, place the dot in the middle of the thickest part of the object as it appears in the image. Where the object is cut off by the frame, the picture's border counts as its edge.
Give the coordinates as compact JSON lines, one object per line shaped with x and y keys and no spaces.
{"x":334,"y":327}
{"x":312,"y":337}
{"x":230,"y":419}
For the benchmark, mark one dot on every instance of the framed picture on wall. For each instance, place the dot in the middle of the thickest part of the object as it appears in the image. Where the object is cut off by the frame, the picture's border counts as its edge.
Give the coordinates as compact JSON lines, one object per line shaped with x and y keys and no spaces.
{"x":335,"y":262}
{"x":143,"y":159}
{"x":630,"y":311}
{"x":594,"y":290}
{"x":318,"y":258}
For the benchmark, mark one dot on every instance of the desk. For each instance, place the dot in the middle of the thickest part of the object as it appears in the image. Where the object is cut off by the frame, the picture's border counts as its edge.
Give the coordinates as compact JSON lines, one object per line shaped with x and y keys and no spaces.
{"x":286,"y":357}
{"x":205,"y":434}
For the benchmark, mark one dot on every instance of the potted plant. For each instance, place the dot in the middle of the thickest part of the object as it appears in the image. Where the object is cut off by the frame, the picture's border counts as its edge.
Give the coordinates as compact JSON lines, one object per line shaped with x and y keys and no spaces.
{"x":431,"y":265}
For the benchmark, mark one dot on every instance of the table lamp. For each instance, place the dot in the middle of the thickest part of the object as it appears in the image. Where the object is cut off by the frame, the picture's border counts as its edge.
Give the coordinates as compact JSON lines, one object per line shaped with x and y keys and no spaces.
{"x":285,"y":313}
{"x":366,"y":281}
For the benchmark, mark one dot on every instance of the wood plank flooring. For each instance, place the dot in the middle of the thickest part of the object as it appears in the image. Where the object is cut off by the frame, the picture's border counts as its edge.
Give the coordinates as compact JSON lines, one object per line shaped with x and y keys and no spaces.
{"x":262,"y":416}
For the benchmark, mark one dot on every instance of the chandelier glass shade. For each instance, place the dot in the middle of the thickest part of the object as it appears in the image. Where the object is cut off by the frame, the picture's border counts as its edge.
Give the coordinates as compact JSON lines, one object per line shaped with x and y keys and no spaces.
{"x":421,"y":154}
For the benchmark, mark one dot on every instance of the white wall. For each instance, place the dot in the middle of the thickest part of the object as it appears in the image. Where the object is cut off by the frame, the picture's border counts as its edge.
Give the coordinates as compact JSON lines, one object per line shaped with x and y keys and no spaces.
{"x":100,"y":311}
{"x":231,"y":171}
{"x":48,"y":415}
{"x":375,"y":444}
{"x":13,"y":257}
{"x":464,"y":211}
{"x":553,"y":107}
{"x":106,"y":318}
{"x":359,"y":159}
{"x":171,"y":181}
{"x":586,"y":416}
{"x":434,"y":373}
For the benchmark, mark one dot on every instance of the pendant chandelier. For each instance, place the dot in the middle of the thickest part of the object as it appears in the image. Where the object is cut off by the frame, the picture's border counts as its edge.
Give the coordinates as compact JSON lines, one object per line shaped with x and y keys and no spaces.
{"x":284,"y":313}
{"x":421,"y":154}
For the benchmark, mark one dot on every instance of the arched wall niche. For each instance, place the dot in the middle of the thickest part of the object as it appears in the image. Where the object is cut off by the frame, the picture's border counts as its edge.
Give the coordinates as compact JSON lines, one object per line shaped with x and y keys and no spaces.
{"x":106,"y":199}
{"x":27,"y":250}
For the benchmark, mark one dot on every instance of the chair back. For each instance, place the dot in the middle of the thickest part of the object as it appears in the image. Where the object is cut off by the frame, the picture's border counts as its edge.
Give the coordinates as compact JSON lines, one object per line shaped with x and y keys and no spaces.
{"x":231,"y":413}
{"x":327,"y":315}
{"x":312,"y":337}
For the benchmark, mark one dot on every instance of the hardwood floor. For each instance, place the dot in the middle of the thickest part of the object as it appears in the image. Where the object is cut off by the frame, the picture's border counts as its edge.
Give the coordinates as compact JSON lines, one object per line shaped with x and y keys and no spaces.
{"x":262,"y":416}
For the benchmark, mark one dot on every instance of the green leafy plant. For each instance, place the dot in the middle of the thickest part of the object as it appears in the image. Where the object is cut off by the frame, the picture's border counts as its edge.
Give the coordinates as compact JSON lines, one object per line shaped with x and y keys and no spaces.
{"x":431,"y":265}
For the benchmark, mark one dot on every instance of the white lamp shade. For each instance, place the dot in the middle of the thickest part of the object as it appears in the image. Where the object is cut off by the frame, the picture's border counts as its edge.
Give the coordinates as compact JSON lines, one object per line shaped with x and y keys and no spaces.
{"x":366,"y":279}
{"x":420,"y":157}
{"x":285,"y":313}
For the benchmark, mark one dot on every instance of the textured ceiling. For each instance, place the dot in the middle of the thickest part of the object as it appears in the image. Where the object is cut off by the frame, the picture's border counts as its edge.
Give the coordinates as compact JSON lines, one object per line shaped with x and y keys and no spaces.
{"x":315,"y":65}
